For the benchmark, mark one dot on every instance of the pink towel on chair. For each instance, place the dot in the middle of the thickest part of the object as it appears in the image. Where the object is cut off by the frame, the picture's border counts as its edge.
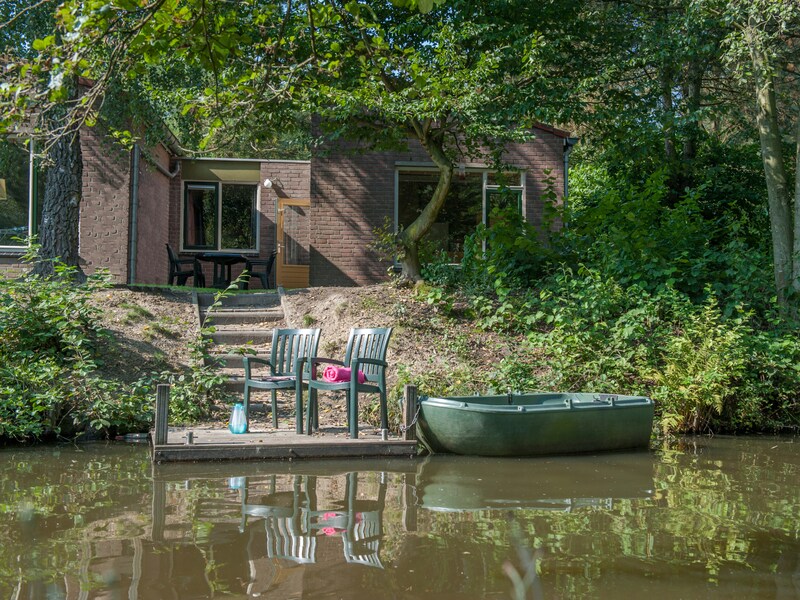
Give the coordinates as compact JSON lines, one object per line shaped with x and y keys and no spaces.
{"x":333,"y":374}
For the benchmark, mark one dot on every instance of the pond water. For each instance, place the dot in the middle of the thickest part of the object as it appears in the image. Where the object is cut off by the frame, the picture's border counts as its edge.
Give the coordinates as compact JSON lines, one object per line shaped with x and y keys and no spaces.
{"x":706,"y":518}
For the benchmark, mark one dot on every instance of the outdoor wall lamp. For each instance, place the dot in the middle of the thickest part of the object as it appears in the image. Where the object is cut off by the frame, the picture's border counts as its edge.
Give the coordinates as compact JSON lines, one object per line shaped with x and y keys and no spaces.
{"x":268,"y":183}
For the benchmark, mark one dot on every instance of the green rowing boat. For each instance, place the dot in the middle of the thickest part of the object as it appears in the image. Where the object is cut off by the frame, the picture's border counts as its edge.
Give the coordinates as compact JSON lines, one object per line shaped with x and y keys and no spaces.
{"x":534,"y":424}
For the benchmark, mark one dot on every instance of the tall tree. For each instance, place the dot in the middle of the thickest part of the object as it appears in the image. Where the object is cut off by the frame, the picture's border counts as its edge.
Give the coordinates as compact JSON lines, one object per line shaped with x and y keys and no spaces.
{"x":127,"y":54}
{"x":44,"y":115}
{"x":764,"y":50}
{"x":452,"y":79}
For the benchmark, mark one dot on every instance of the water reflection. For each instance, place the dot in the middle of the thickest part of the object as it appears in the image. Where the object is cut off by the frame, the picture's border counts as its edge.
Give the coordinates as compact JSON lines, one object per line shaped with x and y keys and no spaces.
{"x":449,"y":483}
{"x":707,"y":518}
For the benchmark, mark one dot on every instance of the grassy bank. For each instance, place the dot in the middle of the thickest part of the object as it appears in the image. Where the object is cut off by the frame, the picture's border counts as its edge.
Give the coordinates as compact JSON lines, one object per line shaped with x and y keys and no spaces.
{"x":85,"y":360}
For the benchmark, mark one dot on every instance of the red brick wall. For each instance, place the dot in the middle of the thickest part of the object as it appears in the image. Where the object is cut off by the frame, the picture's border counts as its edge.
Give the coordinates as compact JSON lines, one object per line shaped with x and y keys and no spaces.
{"x":153,"y":216}
{"x":104,"y":212}
{"x":291,"y":179}
{"x":545,"y":152}
{"x":11,"y":266}
{"x":353,"y":193}
{"x":105,"y":205}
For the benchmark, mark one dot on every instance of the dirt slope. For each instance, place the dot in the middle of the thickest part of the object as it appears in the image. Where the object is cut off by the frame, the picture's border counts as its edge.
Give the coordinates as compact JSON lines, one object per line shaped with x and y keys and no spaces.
{"x":437,"y":343}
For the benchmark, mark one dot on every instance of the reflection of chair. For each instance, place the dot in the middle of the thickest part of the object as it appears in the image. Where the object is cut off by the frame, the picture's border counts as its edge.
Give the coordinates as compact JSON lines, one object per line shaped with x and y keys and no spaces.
{"x":357,"y":521}
{"x":176,"y":272}
{"x":284,"y":535}
{"x":288,"y":346}
{"x":362,"y":541}
{"x":365,"y":352}
{"x":285,"y":540}
{"x":263,"y":274}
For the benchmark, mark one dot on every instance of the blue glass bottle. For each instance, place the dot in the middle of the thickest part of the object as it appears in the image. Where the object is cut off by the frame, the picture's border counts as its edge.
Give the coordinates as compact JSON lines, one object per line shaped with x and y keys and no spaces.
{"x":238,"y":421}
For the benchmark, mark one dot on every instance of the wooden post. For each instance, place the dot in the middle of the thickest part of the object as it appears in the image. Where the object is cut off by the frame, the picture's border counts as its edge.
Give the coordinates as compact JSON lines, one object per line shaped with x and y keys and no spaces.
{"x":159,"y":510}
{"x":162,"y":408}
{"x":409,"y":412}
{"x":409,"y":502}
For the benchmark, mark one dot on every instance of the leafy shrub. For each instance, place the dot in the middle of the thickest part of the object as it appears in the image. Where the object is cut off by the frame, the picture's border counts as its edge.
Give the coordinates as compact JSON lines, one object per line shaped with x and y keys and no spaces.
{"x":639,"y":235}
{"x":705,"y":369}
{"x":50,"y":354}
{"x":50,"y":333}
{"x":768,"y":397}
{"x":509,"y":254}
{"x":699,"y":369}
{"x":459,"y":381}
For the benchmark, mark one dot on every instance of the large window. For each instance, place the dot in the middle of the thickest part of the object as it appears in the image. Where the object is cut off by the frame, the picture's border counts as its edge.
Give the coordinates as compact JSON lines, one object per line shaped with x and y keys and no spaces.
{"x":15,"y":193}
{"x":470,"y":200}
{"x":220,"y":216}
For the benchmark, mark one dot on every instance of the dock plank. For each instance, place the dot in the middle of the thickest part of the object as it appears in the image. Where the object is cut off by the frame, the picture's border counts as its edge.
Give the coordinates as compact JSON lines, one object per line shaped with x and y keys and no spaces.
{"x":220,"y":444}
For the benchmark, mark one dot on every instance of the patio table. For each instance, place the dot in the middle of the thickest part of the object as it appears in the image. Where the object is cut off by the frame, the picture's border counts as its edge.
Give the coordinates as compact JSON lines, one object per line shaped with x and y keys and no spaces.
{"x":222,"y":262}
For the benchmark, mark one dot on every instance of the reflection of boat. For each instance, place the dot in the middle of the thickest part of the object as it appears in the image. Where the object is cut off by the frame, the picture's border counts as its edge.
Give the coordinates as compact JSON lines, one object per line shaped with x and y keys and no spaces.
{"x":454,"y":483}
{"x":534,"y":424}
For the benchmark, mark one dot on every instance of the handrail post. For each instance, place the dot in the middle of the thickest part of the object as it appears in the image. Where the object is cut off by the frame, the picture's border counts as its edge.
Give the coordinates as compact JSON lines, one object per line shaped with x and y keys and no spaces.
{"x":409,"y":412}
{"x":162,"y":408}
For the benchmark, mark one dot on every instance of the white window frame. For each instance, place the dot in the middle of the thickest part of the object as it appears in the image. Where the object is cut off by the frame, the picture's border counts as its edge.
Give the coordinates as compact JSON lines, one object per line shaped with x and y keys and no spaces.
{"x":494,"y":188}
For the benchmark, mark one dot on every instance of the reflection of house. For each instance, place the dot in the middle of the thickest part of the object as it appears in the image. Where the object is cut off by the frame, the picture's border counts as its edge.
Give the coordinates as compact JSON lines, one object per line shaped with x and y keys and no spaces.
{"x":319,"y":215}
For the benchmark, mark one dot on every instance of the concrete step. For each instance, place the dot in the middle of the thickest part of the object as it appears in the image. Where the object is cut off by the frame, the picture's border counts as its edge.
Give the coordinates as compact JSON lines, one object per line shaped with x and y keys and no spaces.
{"x":227,"y":361}
{"x":255,"y":300}
{"x":238,"y":316}
{"x":234,"y":384}
{"x":240,"y":337}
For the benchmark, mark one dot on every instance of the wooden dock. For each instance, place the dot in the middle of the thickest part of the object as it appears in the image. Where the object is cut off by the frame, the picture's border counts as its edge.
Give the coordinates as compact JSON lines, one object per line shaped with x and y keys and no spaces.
{"x":217,"y":444}
{"x":205,"y":444}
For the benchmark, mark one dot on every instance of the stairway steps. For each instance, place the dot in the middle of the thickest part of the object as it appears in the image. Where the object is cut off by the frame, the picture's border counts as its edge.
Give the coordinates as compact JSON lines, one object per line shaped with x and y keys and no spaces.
{"x":234,"y":383}
{"x":257,"y":301}
{"x":239,"y":320}
{"x":243,"y":316}
{"x":240,"y":337}
{"x":232,"y":361}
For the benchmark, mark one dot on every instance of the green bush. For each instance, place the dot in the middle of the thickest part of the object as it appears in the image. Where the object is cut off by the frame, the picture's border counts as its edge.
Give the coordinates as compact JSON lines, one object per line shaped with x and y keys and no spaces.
{"x":699,"y":369}
{"x":51,"y":383}
{"x":50,"y":333}
{"x":706,"y":370}
{"x":641,"y":233}
{"x":649,"y":290}
{"x":195,"y":392}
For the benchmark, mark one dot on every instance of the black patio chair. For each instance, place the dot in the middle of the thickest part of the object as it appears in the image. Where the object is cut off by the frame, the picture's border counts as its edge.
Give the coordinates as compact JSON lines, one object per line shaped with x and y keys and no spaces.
{"x":263,"y":274}
{"x":180,"y":274}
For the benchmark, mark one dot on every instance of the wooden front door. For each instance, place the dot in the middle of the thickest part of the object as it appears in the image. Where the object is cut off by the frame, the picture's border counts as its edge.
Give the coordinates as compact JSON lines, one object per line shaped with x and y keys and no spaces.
{"x":294,"y":243}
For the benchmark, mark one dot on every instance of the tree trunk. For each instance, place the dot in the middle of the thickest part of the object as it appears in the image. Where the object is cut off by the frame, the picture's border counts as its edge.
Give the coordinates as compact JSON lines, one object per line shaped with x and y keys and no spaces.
{"x":58,"y":231}
{"x":796,"y":252}
{"x":780,"y":216}
{"x":411,"y":235}
{"x":693,"y":92}
{"x":668,"y":117}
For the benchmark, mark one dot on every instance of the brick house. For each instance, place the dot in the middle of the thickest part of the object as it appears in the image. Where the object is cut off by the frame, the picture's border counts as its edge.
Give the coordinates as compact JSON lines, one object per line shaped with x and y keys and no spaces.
{"x":319,"y":215}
